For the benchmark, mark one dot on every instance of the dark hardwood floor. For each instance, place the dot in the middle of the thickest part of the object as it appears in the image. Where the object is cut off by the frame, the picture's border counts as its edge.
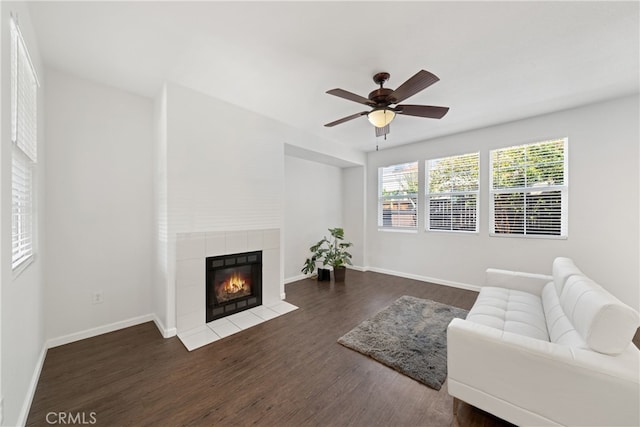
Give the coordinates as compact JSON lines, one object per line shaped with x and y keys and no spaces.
{"x":289,"y":371}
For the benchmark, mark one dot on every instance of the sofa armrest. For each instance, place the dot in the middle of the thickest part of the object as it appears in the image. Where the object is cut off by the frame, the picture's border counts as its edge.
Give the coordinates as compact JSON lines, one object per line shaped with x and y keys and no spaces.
{"x":566,"y":385}
{"x":517,"y":280}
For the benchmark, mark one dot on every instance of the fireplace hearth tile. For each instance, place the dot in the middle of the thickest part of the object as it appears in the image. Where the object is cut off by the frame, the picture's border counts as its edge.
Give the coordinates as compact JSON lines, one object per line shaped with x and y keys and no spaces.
{"x":223,"y":327}
{"x":198,"y":337}
{"x":264,"y":312}
{"x":283,"y":307}
{"x":245,"y":319}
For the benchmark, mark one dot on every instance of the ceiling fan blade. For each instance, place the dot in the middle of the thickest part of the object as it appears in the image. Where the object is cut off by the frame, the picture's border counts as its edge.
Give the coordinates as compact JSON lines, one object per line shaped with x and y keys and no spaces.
{"x":421,"y":80}
{"x":341,"y":93}
{"x":422,"y":111}
{"x":346,"y":119}
{"x":383,"y":131}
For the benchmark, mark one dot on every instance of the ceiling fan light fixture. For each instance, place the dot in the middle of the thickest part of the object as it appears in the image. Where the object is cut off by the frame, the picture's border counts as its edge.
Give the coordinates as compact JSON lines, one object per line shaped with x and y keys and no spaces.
{"x":381,"y":117}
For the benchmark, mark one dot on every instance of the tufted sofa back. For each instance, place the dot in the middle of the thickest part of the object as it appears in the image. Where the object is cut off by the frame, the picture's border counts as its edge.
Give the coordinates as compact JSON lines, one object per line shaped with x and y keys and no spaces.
{"x":562,"y":269}
{"x":604,"y":322}
{"x":580,"y":313}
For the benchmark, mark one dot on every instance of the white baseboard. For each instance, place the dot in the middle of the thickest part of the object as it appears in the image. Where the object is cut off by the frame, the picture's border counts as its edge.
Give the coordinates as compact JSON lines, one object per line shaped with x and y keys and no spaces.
{"x":295,"y":278}
{"x":89,"y":333}
{"x":33,"y":384}
{"x":434,"y":280}
{"x":166,"y":332}
{"x":437,"y":281}
{"x":305,"y":276}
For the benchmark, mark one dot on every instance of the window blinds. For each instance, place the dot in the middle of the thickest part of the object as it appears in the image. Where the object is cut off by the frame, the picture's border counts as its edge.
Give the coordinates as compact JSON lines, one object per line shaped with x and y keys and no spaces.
{"x":529,"y":189}
{"x":452,"y":193}
{"x":24,"y":86}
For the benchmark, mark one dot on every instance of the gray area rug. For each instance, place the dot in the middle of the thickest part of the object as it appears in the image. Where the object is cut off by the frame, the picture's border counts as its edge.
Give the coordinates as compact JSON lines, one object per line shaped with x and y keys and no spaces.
{"x":409,"y":336}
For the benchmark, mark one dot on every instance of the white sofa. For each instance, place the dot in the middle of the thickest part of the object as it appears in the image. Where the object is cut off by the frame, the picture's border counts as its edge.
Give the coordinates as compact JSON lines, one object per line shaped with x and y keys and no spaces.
{"x":547,"y":350}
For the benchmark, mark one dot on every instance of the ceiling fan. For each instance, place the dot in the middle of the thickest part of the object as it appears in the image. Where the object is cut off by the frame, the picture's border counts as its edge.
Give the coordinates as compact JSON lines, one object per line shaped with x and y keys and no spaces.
{"x":381,"y":99}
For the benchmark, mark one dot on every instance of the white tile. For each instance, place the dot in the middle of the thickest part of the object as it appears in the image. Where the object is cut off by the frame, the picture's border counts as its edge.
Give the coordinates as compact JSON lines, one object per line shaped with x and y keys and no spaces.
{"x":236,"y":241}
{"x":264,"y":312}
{"x":272,"y":239}
{"x":190,"y":320}
{"x":190,"y":246}
{"x":255,"y":240}
{"x":200,"y":335}
{"x":244,"y":319}
{"x":189,"y":298}
{"x":215,"y":244}
{"x":271,"y":275}
{"x":192,"y":331}
{"x":199,"y":338}
{"x":190,"y":272}
{"x":283,"y":307}
{"x":223,"y":327}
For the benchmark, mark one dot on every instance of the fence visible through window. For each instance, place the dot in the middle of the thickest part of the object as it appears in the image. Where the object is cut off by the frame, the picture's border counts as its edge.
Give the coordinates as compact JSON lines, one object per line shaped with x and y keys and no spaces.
{"x":398,"y":196}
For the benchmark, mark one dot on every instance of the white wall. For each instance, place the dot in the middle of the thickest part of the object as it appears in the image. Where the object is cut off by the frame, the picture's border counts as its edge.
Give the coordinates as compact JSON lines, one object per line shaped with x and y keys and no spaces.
{"x":603,"y":204}
{"x":354,"y":212}
{"x":99,"y":205}
{"x":22,"y":320}
{"x":225,"y":165}
{"x":313,"y":203}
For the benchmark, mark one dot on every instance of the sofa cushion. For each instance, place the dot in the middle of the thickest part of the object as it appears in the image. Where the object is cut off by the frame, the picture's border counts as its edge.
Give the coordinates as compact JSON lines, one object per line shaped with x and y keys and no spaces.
{"x":511,"y":311}
{"x":561,"y":330}
{"x":562,"y":269}
{"x":605,"y":323}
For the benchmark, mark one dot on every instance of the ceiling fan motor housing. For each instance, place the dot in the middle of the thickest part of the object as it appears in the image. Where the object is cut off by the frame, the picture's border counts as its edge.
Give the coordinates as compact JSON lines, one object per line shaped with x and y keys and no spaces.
{"x":381,"y":97}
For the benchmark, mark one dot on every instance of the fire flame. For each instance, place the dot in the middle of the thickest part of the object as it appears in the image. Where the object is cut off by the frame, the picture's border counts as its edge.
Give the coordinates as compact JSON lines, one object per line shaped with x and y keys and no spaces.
{"x":236,"y":283}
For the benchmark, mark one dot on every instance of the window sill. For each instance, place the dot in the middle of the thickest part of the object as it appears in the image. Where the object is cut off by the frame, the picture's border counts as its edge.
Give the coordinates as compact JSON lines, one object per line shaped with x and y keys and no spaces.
{"x":399,"y":230}
{"x":458,"y":232}
{"x":528,"y":236}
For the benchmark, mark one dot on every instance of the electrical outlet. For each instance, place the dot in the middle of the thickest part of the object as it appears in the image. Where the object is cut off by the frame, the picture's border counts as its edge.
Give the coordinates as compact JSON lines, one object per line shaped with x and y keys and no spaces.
{"x":97,"y":298}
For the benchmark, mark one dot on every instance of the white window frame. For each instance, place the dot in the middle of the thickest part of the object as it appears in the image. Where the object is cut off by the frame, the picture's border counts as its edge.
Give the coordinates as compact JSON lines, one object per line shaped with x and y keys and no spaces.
{"x":24,"y":93}
{"x":451,"y":192}
{"x":386,"y":223}
{"x":531,"y":189}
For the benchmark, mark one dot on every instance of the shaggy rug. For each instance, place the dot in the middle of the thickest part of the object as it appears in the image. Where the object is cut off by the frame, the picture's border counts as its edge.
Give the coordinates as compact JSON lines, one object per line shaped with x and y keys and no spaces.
{"x":409,"y":336}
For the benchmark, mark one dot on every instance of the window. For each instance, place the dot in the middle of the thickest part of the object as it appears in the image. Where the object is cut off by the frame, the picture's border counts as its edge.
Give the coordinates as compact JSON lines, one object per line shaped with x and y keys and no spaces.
{"x":24,"y":86}
{"x":452,"y":193}
{"x":529,"y":189}
{"x":398,"y":196}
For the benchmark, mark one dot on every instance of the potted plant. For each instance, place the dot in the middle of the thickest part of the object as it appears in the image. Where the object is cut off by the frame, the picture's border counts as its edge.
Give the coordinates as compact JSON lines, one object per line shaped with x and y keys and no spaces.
{"x":318,"y":255}
{"x":333,"y":252}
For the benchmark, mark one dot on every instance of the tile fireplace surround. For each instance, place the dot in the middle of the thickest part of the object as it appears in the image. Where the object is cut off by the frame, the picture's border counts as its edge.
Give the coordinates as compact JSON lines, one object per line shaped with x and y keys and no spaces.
{"x":191,"y":251}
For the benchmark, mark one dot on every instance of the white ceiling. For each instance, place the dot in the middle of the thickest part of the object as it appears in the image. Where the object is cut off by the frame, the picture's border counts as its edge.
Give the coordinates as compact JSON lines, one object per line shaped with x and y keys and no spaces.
{"x":497,"y":61}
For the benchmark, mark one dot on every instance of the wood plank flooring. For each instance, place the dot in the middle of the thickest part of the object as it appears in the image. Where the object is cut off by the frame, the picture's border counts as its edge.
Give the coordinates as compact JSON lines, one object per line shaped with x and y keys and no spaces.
{"x":289,"y":371}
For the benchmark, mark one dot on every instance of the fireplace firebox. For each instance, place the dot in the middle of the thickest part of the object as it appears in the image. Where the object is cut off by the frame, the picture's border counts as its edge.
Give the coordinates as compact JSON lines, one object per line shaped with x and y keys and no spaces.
{"x":234,"y":284}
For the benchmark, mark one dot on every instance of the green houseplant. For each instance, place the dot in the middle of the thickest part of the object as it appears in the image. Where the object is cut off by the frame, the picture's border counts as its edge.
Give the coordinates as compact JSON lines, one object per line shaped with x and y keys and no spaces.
{"x":330,"y":251}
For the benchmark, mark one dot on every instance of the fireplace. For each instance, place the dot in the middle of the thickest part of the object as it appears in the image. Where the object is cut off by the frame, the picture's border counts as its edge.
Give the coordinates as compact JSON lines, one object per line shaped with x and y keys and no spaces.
{"x":233,"y":284}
